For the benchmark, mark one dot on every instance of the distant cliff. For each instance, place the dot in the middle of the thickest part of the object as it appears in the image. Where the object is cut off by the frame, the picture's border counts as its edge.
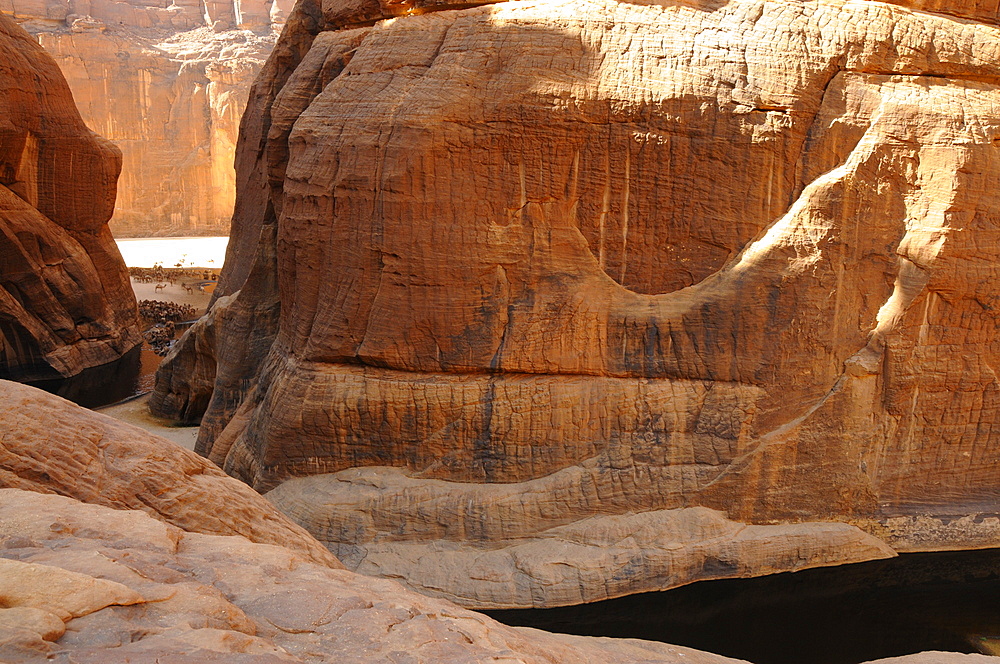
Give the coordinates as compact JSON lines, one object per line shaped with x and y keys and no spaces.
{"x":65,"y":300}
{"x":167,"y":84}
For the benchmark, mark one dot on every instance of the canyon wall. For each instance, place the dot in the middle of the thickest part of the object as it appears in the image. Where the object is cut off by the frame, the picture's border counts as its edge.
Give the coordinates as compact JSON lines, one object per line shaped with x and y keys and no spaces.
{"x":167,"y":83}
{"x":65,"y":300}
{"x":510,"y":284}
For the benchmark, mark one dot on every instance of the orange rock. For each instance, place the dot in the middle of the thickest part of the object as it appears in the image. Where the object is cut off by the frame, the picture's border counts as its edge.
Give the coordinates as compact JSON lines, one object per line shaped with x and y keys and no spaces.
{"x":173,"y":106}
{"x":566,"y":260}
{"x":167,"y":83}
{"x":65,"y":300}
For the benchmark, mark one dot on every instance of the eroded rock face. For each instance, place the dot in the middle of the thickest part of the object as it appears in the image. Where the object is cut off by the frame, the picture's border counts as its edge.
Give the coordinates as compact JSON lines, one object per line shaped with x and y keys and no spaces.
{"x":65,"y":300}
{"x":168,"y":86}
{"x":52,"y":446}
{"x":184,"y":579}
{"x":557,"y":261}
{"x":85,"y":583}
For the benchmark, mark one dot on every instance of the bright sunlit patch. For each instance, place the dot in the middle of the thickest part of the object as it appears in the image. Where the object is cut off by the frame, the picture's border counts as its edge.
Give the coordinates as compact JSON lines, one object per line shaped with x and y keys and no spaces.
{"x":207,"y":252}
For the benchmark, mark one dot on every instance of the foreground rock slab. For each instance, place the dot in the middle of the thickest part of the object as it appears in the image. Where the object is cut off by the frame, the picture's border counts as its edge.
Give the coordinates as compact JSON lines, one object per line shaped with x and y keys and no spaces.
{"x":52,"y":446}
{"x":142,"y":590}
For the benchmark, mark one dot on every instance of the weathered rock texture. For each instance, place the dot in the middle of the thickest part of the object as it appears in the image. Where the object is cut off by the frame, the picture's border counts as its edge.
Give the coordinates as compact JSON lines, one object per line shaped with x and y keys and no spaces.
{"x":65,"y":300}
{"x":168,"y":85}
{"x":557,"y":260}
{"x":52,"y":446}
{"x":84,"y":583}
{"x":131,"y":588}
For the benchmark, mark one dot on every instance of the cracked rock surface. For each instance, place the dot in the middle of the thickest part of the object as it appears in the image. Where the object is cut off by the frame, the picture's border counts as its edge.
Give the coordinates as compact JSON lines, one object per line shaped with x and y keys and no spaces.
{"x":89,"y":584}
{"x":505,"y":268}
{"x":187,"y":579}
{"x":134,"y":589}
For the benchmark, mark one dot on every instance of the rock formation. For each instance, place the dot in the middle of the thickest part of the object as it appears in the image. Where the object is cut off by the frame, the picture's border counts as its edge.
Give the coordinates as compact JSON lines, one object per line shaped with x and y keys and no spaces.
{"x":65,"y":300}
{"x":552,"y":262}
{"x":49,"y":445}
{"x":206,"y":571}
{"x":83,"y":583}
{"x":132,"y":588}
{"x":168,"y":85}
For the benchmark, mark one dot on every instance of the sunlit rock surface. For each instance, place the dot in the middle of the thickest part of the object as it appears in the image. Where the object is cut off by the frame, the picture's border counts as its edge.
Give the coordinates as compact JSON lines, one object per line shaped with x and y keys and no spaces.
{"x":206,"y":571}
{"x":65,"y":300}
{"x":52,"y":446}
{"x":553,"y":261}
{"x":167,"y":83}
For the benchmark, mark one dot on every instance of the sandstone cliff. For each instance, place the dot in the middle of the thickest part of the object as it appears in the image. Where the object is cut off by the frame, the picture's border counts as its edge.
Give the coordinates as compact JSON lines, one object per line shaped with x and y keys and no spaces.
{"x":167,"y":85}
{"x":65,"y":300}
{"x":560,"y":261}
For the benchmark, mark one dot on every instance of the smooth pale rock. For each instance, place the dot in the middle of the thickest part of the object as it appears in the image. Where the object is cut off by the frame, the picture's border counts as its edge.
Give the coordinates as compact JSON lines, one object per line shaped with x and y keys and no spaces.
{"x":57,"y":591}
{"x":47,"y":625}
{"x":491,"y":561}
{"x":281,"y":606}
{"x":50,"y":445}
{"x":65,"y":300}
{"x":564,"y":260}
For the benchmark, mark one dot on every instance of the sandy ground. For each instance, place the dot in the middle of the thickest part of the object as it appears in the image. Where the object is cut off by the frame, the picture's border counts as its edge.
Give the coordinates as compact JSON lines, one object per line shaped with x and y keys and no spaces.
{"x":135,"y":412}
{"x":175,"y":293}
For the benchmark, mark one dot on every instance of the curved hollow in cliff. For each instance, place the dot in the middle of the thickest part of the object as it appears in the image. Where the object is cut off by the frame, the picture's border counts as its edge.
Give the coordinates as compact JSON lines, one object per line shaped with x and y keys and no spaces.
{"x":538,"y":263}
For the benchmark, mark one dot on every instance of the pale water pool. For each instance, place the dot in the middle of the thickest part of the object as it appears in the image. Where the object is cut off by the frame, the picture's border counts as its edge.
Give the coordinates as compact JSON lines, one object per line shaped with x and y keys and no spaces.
{"x":208,"y":252}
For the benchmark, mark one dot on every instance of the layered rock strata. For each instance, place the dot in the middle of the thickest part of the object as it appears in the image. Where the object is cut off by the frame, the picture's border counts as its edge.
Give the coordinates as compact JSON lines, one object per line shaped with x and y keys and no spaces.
{"x":83,"y":583}
{"x":168,"y":85}
{"x":559,"y":261}
{"x":205,"y":571}
{"x":49,"y":445}
{"x":65,"y":300}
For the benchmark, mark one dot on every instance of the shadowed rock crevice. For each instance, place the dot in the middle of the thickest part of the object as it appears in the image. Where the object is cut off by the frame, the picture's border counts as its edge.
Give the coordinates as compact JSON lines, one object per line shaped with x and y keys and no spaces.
{"x":842,"y":615}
